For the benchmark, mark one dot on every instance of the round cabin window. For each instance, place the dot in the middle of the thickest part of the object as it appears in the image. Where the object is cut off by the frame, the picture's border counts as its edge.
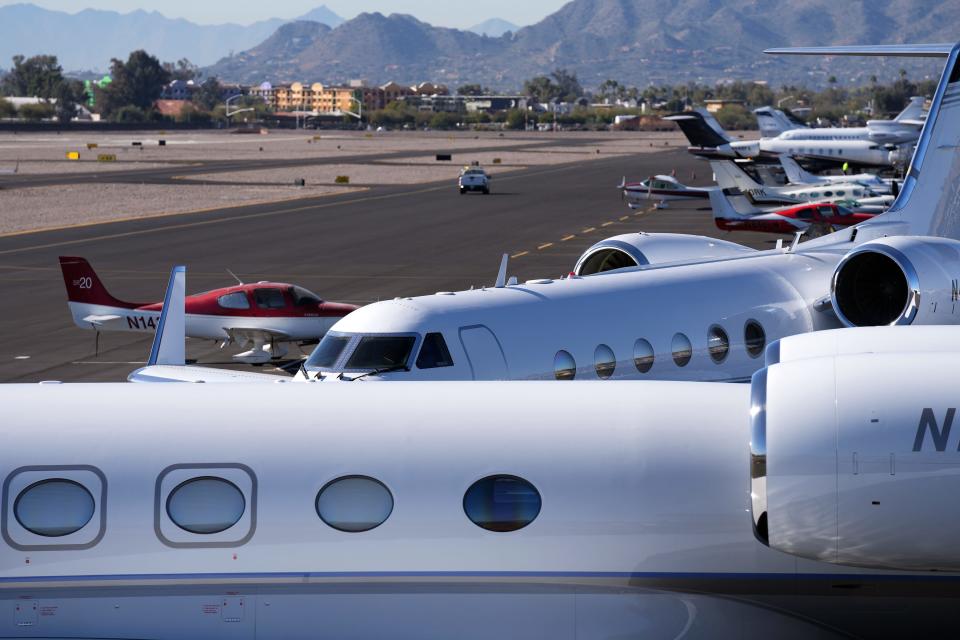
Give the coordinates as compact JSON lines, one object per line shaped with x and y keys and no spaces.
{"x":54,"y":508}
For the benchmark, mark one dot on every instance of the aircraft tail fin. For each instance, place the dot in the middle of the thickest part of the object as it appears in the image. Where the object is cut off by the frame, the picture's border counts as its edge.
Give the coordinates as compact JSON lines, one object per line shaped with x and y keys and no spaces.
{"x":795,"y":173}
{"x":700,"y":128}
{"x":724,"y":209}
{"x":913,"y":110}
{"x":929,"y":200}
{"x":83,"y":284}
{"x":773,"y":122}
{"x":731,"y":176}
{"x":169,"y":344}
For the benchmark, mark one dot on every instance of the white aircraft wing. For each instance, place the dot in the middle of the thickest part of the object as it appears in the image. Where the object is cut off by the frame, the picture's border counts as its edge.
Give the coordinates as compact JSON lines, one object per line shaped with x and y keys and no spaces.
{"x":191,"y":373}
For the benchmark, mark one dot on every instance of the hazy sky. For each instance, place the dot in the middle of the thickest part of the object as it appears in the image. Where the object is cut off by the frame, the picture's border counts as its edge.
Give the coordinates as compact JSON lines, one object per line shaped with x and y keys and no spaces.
{"x":448,"y":14}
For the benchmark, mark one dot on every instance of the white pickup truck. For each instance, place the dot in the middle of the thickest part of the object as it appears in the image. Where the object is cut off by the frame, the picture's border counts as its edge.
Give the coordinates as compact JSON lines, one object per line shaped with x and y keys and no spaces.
{"x":473,"y":179}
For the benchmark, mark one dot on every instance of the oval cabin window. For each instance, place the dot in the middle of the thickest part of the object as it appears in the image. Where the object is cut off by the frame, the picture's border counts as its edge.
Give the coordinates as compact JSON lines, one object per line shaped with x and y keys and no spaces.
{"x":502,"y":503}
{"x":206,"y":505}
{"x":604,"y":362}
{"x":643,"y":355}
{"x":54,"y":508}
{"x":354,"y":504}
{"x":564,"y":366}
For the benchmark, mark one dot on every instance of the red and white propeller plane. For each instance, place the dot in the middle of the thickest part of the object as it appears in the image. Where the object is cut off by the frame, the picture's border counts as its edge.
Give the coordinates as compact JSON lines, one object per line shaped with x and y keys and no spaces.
{"x":815,"y":219}
{"x":260,"y":317}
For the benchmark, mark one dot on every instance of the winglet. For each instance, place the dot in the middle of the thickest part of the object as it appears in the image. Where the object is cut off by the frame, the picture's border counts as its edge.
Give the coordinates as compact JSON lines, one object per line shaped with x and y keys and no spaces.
{"x":169,"y":345}
{"x":502,"y":275}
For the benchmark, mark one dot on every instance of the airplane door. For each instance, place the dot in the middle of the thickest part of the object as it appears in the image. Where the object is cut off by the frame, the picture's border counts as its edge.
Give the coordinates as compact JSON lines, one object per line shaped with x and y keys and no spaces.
{"x":484,"y":353}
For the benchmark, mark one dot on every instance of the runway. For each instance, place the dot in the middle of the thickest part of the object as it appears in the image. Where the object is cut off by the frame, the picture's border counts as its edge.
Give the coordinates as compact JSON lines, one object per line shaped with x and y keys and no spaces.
{"x":359,"y":247}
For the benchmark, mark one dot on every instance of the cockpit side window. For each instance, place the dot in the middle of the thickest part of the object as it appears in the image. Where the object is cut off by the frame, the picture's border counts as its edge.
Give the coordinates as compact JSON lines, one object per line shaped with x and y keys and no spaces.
{"x":434,"y":352}
{"x":302,"y":298}
{"x":380,"y":352}
{"x":235,"y":300}
{"x":269,"y":298}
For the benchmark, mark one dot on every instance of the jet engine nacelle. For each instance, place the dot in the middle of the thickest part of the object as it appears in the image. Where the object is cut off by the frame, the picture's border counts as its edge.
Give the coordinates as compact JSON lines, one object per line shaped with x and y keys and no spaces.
{"x":641,"y":249}
{"x":898,"y":281}
{"x":854,"y":450}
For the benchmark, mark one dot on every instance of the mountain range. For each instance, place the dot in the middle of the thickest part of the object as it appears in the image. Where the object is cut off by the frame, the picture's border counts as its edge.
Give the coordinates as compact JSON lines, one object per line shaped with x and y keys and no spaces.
{"x":637,"y":42}
{"x":494,"y":27}
{"x":87,"y":40}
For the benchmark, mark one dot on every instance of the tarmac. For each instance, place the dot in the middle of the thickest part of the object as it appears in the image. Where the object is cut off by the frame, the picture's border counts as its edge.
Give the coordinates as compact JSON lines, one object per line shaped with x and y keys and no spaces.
{"x":382,"y":242}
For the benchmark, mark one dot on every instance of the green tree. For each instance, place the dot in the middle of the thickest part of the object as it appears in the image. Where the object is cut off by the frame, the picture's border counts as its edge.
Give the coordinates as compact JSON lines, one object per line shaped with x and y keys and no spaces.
{"x":35,"y":112}
{"x":208,"y":95}
{"x":516,"y":119}
{"x":69,"y":95}
{"x":541,"y":88}
{"x":183,"y":70}
{"x":38,"y":76}
{"x":611,"y":90}
{"x":568,"y":87}
{"x":138,"y":82}
{"x":130,"y":113}
{"x":444,"y":121}
{"x":7,"y":110}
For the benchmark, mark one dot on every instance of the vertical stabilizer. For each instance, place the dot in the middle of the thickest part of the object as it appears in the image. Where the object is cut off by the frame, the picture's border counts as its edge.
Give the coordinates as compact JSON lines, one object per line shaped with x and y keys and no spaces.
{"x":730,"y":176}
{"x":795,"y":173}
{"x":84,"y":286}
{"x":169,"y":345}
{"x":913,"y":111}
{"x":773,"y":122}
{"x":929,"y":201}
{"x":724,"y":209}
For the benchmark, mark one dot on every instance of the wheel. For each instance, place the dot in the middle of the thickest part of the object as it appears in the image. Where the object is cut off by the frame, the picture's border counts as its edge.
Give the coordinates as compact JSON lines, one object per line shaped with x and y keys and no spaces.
{"x":486,"y":191}
{"x":462,"y":191}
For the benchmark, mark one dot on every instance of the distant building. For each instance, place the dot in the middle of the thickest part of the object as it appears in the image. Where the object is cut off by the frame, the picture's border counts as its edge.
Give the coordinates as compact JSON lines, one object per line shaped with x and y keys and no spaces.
{"x":715,"y":105}
{"x":299,"y":96}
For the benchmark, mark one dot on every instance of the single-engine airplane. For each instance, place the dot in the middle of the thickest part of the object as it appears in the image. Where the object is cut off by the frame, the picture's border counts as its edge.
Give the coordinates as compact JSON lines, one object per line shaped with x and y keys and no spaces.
{"x":260,"y":316}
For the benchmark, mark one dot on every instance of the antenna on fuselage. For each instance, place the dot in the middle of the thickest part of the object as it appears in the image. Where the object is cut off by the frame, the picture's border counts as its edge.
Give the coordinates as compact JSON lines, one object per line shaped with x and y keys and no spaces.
{"x":239,"y":281}
{"x":502,"y":275}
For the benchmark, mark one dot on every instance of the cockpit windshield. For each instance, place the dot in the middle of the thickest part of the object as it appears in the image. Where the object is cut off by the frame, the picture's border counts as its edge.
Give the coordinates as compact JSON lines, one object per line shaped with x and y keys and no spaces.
{"x":378,"y":352}
{"x":328,"y":351}
{"x":301,"y":297}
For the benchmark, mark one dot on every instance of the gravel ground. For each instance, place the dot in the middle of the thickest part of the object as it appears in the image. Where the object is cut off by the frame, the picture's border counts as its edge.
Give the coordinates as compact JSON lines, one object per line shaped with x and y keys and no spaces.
{"x":44,"y":207}
{"x":40,"y":167}
{"x":192,"y":146}
{"x":366,"y":174}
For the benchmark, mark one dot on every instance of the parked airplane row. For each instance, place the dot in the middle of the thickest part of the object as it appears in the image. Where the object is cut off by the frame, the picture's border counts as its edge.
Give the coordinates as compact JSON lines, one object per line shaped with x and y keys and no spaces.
{"x":673,"y":307}
{"x":882,"y":143}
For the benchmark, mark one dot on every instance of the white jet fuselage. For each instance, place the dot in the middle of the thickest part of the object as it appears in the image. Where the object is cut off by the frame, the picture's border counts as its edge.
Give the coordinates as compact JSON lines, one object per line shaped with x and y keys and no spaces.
{"x":644,"y":519}
{"x":516,"y":332}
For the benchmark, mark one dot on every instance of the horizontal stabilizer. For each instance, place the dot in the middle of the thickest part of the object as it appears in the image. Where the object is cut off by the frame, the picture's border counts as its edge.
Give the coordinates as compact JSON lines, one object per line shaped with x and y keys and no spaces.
{"x":895,"y":50}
